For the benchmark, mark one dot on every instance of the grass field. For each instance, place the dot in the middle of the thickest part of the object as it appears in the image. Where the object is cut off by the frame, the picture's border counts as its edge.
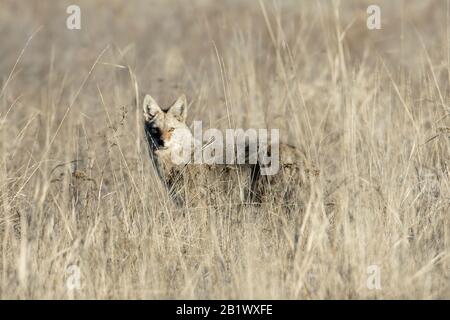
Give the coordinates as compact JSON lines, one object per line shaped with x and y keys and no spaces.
{"x":370,"y":109}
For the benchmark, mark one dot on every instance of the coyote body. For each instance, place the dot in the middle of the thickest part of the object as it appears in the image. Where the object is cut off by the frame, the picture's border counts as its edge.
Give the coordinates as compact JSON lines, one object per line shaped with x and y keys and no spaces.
{"x":197,"y":185}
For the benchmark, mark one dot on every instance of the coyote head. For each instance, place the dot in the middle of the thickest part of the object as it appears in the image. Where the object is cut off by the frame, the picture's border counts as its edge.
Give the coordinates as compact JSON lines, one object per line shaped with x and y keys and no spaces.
{"x":166,"y":129}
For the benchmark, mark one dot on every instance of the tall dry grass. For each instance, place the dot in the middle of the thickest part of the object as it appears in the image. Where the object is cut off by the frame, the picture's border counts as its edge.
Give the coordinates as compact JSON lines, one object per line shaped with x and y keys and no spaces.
{"x":369,"y":108}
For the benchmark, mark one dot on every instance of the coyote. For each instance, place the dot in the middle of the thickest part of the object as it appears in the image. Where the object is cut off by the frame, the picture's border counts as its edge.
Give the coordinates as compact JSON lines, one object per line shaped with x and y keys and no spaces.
{"x":195,"y":185}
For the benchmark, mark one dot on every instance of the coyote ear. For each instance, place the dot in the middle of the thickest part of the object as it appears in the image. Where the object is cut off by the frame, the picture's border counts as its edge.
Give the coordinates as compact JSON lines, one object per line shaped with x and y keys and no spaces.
{"x":151,"y":108}
{"x":179,"y":108}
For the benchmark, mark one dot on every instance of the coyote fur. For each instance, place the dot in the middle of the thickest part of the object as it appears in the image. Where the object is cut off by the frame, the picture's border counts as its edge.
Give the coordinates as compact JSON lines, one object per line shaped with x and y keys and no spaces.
{"x":205,"y":184}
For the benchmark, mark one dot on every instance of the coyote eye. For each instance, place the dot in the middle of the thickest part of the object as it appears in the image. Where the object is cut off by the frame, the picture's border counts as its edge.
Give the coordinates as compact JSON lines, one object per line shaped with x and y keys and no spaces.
{"x":171,"y":129}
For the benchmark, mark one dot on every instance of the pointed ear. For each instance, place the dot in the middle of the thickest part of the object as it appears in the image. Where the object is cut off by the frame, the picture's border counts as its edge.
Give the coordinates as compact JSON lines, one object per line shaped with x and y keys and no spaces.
{"x":179,"y":108}
{"x":151,"y":108}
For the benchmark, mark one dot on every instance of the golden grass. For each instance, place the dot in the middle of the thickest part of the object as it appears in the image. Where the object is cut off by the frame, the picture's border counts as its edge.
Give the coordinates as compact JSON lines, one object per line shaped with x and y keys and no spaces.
{"x":369,"y":108}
